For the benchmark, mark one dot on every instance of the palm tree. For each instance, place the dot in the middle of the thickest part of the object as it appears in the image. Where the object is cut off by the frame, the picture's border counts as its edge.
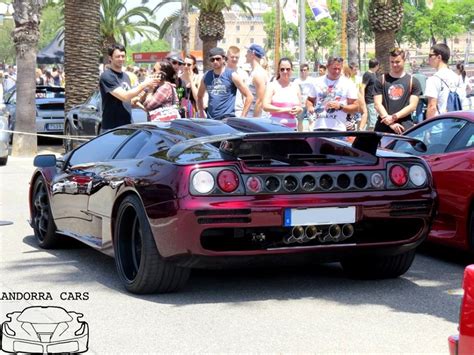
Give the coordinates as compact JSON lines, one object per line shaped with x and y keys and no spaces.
{"x":118,"y":23}
{"x":26,"y":36}
{"x":81,"y":49}
{"x":353,"y":31}
{"x":211,"y":23}
{"x":385,"y":18}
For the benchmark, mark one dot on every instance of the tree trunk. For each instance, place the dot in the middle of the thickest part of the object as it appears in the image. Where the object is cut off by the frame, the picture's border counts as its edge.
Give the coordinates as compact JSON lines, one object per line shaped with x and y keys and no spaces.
{"x":104,"y":49}
{"x":25,"y":37}
{"x":352,"y":32}
{"x":383,"y":44}
{"x":81,"y":49}
{"x":207,"y":45}
{"x":184,"y":28}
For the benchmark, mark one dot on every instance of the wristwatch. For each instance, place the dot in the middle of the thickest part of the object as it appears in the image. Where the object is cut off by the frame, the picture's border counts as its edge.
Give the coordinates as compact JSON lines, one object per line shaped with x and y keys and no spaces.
{"x":341,"y":106}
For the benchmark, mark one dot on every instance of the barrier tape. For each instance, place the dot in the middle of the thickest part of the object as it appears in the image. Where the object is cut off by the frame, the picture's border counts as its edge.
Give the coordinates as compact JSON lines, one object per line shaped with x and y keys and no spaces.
{"x":76,"y":138}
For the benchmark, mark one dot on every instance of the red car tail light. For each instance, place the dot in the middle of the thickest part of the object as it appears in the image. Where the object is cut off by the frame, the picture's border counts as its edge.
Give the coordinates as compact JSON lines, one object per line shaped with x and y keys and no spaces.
{"x":254,"y":184}
{"x":398,"y":175}
{"x":227,"y":180}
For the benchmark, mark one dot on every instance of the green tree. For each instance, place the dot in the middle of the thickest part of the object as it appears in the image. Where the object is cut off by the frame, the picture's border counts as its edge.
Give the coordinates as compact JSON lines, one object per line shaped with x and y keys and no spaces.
{"x":445,"y":21}
{"x":117,"y":23}
{"x":320,"y":34}
{"x":147,"y":46}
{"x":211,"y":23}
{"x":7,"y":48}
{"x":288,"y":31}
{"x":416,"y":25}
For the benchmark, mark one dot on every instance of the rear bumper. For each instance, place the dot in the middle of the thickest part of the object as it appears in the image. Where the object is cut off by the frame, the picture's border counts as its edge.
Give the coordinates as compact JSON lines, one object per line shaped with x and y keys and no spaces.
{"x":195,"y":230}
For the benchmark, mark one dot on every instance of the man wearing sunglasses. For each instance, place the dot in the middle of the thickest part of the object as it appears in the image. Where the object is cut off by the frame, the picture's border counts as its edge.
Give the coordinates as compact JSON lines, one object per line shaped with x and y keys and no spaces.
{"x":221,"y":84}
{"x":175,"y":59}
{"x":332,"y":97}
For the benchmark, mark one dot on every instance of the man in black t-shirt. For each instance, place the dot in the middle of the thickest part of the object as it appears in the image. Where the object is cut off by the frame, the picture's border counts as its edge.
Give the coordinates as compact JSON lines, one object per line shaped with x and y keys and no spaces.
{"x":369,"y":114}
{"x":116,"y":92}
{"x":396,"y":96}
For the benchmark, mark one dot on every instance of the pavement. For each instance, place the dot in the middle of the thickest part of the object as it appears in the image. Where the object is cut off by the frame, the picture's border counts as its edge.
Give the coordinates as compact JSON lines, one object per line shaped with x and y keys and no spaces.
{"x":314,"y":309}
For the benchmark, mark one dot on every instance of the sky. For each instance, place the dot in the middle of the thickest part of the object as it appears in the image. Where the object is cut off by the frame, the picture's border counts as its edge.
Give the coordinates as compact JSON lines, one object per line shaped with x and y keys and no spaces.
{"x":166,"y":10}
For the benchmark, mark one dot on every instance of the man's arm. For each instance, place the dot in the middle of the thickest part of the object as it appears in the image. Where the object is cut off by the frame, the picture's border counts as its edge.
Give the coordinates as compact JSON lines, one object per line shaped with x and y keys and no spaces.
{"x":127,"y":95}
{"x":248,"y":97}
{"x":260,"y":84}
{"x":432,"y":108}
{"x":200,"y":99}
{"x":379,"y":107}
{"x":363,"y":106}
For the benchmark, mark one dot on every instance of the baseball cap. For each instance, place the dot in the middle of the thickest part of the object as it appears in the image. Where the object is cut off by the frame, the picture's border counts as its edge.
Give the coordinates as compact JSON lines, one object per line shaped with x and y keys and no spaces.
{"x":257,"y":50}
{"x":216,"y":51}
{"x":175,"y":56}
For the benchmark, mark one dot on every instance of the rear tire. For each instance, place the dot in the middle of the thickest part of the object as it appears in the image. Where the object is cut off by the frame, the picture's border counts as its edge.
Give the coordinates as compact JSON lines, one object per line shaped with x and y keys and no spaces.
{"x":139,"y":264}
{"x":42,"y":218}
{"x":380,"y":267}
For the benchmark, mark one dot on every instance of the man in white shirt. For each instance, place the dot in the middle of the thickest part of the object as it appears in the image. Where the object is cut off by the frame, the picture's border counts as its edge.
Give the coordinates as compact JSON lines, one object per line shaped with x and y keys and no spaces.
{"x":305,"y":82}
{"x":257,"y":80}
{"x":444,"y":80}
{"x":332,"y":97}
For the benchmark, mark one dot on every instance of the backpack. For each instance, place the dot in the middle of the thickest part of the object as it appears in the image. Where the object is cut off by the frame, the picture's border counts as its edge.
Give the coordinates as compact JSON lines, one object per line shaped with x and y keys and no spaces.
{"x":454,"y":101}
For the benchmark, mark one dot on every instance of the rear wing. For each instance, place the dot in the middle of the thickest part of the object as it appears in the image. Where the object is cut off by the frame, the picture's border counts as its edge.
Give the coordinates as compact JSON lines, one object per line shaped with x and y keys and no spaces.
{"x":367,"y":142}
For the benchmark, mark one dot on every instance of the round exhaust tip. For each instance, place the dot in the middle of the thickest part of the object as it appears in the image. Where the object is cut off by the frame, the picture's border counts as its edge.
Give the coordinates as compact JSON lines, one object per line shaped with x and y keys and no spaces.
{"x":335,"y":231}
{"x":311,"y":232}
{"x":297,"y":232}
{"x":347,"y":230}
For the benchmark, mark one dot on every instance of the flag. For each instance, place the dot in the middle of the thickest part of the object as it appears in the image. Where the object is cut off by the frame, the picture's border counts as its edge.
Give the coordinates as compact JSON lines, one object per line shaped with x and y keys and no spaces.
{"x":319,"y":8}
{"x":290,"y":12}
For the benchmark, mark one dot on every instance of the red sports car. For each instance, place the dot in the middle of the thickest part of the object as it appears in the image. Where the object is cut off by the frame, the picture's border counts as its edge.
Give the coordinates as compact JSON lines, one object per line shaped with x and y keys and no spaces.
{"x":463,"y":343}
{"x":450,"y":154}
{"x":166,"y":197}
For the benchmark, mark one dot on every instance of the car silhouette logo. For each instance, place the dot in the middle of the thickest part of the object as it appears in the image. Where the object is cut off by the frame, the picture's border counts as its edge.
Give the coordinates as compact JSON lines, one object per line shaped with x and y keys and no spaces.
{"x":44,"y":330}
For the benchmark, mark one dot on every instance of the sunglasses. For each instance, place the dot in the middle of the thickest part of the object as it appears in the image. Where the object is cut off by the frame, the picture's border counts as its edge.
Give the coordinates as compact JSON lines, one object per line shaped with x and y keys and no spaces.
{"x":285,"y":69}
{"x":215,"y":59}
{"x":174,"y":62}
{"x":188,"y":64}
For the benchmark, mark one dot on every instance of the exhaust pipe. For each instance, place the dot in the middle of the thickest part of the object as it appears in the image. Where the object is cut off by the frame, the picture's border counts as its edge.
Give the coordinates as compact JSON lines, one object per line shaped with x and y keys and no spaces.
{"x":311,"y":232}
{"x":298,"y":233}
{"x":347,"y":230}
{"x":335,"y":232}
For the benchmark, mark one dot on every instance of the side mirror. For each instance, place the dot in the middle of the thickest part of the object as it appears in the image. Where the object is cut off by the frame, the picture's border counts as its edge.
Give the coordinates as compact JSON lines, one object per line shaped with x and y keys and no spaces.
{"x":45,"y":161}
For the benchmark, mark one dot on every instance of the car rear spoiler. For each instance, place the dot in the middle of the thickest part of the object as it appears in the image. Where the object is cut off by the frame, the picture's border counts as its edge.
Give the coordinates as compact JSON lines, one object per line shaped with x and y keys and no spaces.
{"x":365,"y":141}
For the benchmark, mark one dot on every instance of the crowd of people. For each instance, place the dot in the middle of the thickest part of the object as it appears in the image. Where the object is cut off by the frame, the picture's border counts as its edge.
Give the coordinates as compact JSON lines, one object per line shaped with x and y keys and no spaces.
{"x":339,"y":98}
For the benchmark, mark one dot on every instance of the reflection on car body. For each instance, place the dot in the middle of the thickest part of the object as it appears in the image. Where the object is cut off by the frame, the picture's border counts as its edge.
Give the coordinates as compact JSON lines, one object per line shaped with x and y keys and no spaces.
{"x":163,"y":198}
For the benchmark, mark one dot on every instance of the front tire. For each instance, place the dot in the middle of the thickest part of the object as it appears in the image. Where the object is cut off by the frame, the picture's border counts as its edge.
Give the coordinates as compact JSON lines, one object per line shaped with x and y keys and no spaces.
{"x":139,"y":264}
{"x":380,"y":267}
{"x":42,"y":218}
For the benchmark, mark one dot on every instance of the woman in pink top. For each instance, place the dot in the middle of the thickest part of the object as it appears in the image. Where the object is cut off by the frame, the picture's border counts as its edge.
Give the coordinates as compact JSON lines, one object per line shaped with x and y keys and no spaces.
{"x":283,"y":97}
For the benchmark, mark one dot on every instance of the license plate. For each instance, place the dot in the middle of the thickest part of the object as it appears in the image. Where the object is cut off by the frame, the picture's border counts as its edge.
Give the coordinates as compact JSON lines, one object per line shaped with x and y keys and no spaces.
{"x":54,"y":126}
{"x":319,"y":216}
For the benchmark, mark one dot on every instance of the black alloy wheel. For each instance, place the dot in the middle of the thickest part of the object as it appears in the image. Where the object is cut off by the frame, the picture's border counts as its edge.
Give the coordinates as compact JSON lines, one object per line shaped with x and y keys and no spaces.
{"x":139,"y":264}
{"x":42,"y":218}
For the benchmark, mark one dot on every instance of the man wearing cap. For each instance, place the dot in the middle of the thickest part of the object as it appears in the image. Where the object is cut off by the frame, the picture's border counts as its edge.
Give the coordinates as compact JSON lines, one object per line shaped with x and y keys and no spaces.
{"x":258,"y":79}
{"x":221,"y":84}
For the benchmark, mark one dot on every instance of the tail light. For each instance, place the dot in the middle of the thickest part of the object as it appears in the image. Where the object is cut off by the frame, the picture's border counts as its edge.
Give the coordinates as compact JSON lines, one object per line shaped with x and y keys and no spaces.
{"x":398,"y":175}
{"x":227,"y":180}
{"x":203,"y":182}
{"x":417,"y":175}
{"x":254,"y":184}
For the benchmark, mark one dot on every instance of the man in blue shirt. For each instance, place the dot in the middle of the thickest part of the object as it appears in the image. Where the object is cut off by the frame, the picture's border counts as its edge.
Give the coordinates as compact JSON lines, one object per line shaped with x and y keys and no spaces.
{"x":221,"y":84}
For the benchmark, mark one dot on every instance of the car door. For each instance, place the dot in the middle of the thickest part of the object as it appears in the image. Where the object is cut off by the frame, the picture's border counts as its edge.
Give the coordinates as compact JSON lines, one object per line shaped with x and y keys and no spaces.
{"x":450,"y":156}
{"x":85,"y":175}
{"x":89,"y":115}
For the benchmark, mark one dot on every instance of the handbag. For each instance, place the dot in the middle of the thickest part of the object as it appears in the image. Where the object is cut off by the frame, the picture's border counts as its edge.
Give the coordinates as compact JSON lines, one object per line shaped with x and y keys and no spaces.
{"x":167,"y":113}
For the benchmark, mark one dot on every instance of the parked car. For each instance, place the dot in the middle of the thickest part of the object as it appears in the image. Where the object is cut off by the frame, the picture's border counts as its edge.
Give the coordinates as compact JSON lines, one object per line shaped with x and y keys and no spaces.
{"x":463,"y":343}
{"x":4,"y":136}
{"x":164,"y":197}
{"x":450,"y":154}
{"x":44,"y":330}
{"x":85,"y":120}
{"x":49,"y":109}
